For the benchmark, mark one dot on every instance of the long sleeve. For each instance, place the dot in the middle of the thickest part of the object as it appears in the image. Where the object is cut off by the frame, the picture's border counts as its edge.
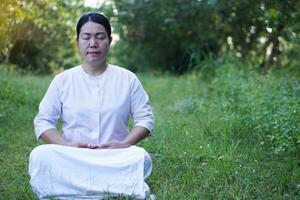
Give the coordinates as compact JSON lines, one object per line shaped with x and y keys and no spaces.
{"x":49,"y":109}
{"x":94,"y":110}
{"x":140,"y":111}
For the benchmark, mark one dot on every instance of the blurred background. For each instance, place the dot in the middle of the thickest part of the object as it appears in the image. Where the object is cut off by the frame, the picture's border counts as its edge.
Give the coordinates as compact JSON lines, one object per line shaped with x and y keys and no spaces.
{"x":176,"y":36}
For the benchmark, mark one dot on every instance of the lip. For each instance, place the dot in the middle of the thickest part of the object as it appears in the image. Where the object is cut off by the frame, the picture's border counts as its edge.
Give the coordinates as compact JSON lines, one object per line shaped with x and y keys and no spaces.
{"x":93,"y":53}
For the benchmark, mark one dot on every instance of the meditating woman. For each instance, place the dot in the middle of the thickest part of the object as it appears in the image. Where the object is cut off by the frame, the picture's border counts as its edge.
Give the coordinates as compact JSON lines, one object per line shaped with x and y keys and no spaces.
{"x":96,"y":154}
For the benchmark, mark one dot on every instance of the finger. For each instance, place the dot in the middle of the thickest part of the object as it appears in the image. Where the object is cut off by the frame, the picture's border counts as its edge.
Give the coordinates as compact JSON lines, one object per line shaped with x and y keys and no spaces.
{"x":93,"y":146}
{"x":105,"y":145}
{"x":83,"y":145}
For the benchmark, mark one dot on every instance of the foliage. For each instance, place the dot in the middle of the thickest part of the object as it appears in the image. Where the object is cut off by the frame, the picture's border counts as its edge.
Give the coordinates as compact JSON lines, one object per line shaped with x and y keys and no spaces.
{"x":12,"y":96}
{"x":38,"y":33}
{"x":233,"y":134}
{"x":266,"y":105}
{"x":39,"y":36}
{"x":165,"y":34}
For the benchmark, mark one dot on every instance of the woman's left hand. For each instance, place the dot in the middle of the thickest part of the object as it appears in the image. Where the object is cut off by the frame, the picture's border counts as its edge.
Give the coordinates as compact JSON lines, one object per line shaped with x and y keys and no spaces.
{"x":113,"y":145}
{"x":137,"y":134}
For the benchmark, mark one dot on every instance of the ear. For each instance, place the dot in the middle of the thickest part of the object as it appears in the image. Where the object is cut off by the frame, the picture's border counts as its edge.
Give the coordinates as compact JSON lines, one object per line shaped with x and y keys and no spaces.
{"x":110,"y":40}
{"x":76,"y":39}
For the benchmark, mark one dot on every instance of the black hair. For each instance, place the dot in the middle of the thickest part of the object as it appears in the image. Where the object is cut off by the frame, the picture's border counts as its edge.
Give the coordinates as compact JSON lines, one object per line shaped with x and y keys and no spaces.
{"x":93,"y":17}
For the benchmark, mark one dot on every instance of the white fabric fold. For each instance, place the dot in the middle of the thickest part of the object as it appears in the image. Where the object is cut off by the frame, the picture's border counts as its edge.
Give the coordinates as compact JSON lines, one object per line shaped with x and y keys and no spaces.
{"x":76,"y":173}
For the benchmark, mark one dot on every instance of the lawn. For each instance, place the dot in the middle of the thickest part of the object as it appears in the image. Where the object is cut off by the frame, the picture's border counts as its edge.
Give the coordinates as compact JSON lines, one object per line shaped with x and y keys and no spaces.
{"x":232,"y":134}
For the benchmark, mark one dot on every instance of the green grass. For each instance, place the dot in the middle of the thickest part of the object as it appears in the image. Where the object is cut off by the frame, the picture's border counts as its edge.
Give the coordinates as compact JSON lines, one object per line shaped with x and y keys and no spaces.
{"x":234,"y":135}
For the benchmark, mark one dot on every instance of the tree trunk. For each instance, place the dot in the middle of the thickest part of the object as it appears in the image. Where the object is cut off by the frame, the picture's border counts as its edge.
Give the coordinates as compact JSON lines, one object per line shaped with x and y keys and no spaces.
{"x":272,"y":43}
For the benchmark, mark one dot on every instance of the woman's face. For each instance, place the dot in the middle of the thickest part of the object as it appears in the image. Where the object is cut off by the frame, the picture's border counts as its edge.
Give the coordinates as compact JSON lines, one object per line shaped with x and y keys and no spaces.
{"x":93,"y":44}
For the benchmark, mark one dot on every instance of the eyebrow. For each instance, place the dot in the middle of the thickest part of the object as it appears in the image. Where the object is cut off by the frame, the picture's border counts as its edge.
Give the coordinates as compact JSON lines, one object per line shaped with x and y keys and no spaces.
{"x":87,"y":33}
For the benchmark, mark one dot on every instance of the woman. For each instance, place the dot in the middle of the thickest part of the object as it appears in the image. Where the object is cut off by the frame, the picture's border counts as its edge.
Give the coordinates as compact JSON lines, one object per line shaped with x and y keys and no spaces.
{"x":94,"y":101}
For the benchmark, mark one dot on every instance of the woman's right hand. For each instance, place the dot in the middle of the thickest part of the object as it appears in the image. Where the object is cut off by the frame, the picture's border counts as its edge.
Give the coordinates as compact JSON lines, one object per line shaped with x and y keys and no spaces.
{"x":52,"y":136}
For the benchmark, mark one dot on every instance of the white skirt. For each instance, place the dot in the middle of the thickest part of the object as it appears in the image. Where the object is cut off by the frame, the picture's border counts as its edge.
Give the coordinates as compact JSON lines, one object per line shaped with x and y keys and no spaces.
{"x":77,"y":173}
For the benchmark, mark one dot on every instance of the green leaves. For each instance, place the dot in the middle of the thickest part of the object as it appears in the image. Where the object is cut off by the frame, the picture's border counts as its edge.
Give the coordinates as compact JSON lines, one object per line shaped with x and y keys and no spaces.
{"x":161,"y":35}
{"x":171,"y":29}
{"x":39,"y":33}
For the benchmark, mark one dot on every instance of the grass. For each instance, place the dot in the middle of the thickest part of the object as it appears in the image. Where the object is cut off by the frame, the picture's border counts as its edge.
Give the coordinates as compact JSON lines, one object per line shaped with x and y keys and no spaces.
{"x":232,"y":135}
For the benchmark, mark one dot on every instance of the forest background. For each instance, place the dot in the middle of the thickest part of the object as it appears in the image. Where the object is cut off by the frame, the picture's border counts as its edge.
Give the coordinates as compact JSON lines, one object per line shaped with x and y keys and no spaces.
{"x":229,"y":127}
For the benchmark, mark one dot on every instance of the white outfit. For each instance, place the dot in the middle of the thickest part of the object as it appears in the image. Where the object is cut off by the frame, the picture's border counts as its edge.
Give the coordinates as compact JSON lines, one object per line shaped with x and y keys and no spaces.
{"x":94,"y":110}
{"x":77,"y":173}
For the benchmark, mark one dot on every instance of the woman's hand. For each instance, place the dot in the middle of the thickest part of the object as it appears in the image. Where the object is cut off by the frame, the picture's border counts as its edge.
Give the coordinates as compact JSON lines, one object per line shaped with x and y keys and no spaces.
{"x":52,"y":136}
{"x":82,"y":145}
{"x":113,"y":145}
{"x":137,"y":134}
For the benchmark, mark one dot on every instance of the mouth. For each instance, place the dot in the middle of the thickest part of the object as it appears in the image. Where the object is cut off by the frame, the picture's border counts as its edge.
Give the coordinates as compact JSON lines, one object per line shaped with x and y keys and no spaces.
{"x":93,"y":53}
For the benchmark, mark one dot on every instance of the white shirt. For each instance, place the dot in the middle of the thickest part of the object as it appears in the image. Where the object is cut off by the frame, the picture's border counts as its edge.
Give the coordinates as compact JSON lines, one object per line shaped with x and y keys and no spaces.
{"x":94,"y":109}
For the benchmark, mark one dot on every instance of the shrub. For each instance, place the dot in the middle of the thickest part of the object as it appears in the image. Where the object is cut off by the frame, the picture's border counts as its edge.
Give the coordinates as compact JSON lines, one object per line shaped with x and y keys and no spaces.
{"x":265,"y":106}
{"x":12,"y":95}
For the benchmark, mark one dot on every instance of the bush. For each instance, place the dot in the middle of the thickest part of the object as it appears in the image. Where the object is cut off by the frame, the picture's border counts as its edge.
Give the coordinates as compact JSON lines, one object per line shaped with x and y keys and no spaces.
{"x":247,"y":107}
{"x":265,"y":106}
{"x":12,"y":95}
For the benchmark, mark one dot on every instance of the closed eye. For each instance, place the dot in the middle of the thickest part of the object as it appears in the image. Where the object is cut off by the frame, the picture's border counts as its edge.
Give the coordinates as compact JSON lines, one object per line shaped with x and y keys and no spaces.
{"x":85,"y":36}
{"x":101,"y":36}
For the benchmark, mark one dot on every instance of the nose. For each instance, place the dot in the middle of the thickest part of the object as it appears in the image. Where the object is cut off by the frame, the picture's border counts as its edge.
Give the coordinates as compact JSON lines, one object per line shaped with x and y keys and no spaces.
{"x":93,"y":43}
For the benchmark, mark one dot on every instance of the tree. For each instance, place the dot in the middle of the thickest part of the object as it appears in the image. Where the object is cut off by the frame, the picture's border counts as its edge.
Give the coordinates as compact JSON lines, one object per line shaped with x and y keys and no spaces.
{"x":39,"y":35}
{"x":167,"y":33}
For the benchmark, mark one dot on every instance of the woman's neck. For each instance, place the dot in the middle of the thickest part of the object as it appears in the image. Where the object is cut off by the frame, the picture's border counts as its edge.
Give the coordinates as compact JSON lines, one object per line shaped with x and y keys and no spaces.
{"x":94,"y":70}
